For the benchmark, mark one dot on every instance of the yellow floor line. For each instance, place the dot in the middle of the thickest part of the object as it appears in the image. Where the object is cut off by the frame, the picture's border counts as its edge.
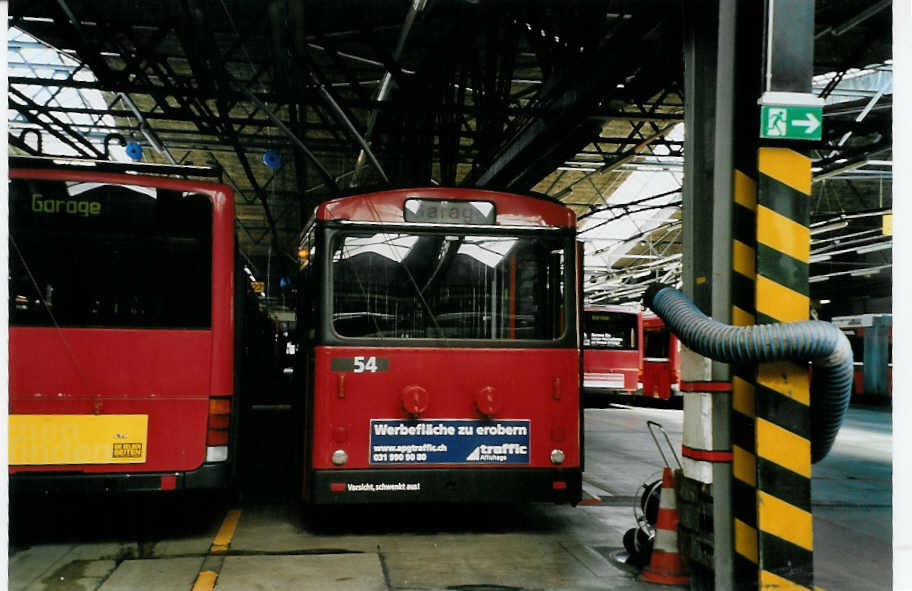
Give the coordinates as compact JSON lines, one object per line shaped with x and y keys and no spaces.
{"x":226,"y":532}
{"x":205,"y":581}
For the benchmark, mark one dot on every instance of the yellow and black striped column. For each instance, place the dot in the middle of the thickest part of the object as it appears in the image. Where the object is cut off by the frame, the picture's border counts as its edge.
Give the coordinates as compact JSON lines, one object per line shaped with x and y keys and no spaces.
{"x":784,"y":528}
{"x":744,"y":460}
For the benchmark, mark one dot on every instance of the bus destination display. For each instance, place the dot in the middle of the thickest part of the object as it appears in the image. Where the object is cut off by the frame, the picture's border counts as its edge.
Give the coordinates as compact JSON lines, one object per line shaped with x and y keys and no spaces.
{"x":598,"y":339}
{"x":435,"y":211}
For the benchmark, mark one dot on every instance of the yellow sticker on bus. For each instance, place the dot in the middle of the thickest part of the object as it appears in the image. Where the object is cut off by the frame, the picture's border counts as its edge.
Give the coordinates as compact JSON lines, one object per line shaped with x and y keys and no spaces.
{"x":46,"y":440}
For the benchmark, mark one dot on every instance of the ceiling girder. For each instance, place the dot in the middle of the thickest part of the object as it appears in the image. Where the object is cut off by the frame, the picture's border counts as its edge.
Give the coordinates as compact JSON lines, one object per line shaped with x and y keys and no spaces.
{"x":208,"y":68}
{"x":568,"y":98}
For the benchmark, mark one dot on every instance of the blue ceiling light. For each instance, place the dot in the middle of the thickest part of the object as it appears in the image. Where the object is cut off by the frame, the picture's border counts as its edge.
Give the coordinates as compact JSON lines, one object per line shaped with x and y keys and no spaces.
{"x":272,"y":160}
{"x":134,"y":151}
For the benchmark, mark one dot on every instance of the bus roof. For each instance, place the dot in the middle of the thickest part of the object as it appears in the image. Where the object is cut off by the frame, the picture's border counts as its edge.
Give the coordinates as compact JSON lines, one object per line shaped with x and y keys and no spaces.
{"x":651,"y":320}
{"x":388,"y":206}
{"x":861,"y":320}
{"x":612,"y":308}
{"x":91,"y":175}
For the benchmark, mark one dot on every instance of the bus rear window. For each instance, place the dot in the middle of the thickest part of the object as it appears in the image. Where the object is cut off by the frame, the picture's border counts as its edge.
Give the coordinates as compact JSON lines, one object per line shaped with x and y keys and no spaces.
{"x":609,"y":330}
{"x":100,"y":255}
{"x":406,"y":286}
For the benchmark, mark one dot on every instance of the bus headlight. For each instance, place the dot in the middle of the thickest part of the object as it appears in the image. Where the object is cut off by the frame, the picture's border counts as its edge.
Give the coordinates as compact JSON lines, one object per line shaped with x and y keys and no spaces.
{"x":558,"y":456}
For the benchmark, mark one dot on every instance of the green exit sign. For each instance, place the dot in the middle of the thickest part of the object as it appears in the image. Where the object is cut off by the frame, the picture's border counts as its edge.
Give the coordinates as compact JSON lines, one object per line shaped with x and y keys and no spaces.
{"x":791,"y":122}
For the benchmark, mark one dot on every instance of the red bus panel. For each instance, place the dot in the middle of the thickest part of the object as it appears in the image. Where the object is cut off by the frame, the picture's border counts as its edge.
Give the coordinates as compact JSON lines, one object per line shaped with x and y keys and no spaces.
{"x":661,"y":360}
{"x":119,"y":372}
{"x":545,"y":393}
{"x":611,"y":370}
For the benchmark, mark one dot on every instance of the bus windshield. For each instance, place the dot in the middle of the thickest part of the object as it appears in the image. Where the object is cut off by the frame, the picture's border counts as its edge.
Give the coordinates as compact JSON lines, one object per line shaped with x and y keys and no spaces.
{"x":609,"y":330}
{"x":101,"y":255}
{"x":459,"y":286}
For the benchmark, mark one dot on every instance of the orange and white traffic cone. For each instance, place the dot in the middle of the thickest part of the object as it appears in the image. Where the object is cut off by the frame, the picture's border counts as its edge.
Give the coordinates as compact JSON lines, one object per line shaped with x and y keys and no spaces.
{"x":666,"y":566}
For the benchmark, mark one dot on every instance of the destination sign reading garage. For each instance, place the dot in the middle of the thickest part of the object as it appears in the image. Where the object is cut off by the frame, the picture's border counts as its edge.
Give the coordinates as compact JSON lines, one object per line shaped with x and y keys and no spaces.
{"x":435,"y":211}
{"x":449,"y":441}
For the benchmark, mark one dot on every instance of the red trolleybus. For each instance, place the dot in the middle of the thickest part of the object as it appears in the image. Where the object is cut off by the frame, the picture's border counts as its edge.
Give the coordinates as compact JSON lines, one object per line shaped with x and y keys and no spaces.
{"x":661,"y":359}
{"x":121,"y":330}
{"x":439,"y":332}
{"x":871,"y":337}
{"x":611,"y":350}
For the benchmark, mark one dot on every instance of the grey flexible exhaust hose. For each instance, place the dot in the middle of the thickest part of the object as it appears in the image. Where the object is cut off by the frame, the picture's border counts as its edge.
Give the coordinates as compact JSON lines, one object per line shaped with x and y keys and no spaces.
{"x":819,"y":342}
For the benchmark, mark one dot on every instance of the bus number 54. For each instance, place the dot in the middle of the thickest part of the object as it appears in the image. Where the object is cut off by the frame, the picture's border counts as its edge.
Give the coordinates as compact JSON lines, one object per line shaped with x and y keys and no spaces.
{"x":363,"y":364}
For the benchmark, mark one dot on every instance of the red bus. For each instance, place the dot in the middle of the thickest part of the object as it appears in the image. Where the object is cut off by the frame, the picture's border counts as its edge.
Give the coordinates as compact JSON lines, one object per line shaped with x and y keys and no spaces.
{"x":438,"y":332}
{"x":661,"y":359}
{"x":121,"y":329}
{"x":612,"y":338}
{"x":871,"y":337}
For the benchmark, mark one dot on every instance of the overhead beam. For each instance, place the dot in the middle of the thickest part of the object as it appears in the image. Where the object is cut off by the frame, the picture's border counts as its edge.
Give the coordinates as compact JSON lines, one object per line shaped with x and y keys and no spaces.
{"x":568,"y":97}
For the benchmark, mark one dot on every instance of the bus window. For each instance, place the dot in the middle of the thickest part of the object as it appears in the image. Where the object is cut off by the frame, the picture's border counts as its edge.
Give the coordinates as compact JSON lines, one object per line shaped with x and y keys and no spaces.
{"x":655,"y":344}
{"x":119,"y":256}
{"x":403,"y":285}
{"x":857,"y":343}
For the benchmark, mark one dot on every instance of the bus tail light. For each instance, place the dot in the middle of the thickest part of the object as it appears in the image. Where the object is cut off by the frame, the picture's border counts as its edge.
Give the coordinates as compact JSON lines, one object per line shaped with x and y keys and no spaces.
{"x":216,"y":437}
{"x":487,"y":401}
{"x":217,"y":429}
{"x":558,"y":456}
{"x":414,"y":400}
{"x":340,"y":434}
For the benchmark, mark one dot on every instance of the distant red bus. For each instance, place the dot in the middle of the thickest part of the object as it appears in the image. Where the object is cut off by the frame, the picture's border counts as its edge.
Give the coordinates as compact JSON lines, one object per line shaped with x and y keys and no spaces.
{"x":612,"y":341}
{"x":121,"y":330}
{"x":439,"y":351}
{"x":661,"y":359}
{"x":871,"y":337}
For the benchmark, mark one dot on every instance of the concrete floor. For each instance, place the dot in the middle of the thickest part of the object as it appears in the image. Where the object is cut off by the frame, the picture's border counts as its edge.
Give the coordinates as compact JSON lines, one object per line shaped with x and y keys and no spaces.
{"x":162,"y":542}
{"x":852,"y":493}
{"x":276,"y":546}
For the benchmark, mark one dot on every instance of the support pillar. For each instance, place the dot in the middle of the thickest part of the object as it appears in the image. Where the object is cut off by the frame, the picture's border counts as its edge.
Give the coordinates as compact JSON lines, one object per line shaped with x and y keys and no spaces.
{"x":783,"y":427}
{"x":744,"y":459}
{"x":705,"y":491}
{"x":746,"y":262}
{"x":742,"y":194}
{"x":782,"y":430}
